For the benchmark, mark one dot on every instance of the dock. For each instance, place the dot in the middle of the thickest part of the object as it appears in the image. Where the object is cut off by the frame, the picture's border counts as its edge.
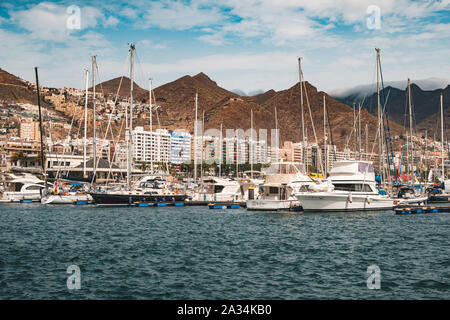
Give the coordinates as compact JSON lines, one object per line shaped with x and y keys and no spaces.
{"x":420,"y":209}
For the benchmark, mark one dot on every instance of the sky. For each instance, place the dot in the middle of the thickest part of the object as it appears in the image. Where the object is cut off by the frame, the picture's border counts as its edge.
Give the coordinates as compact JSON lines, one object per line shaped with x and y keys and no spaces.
{"x":250,"y":45}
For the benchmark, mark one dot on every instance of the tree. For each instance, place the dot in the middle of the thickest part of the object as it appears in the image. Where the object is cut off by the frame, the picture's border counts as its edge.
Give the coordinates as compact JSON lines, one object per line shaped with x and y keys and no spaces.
{"x":143,"y":166}
{"x":18,"y":156}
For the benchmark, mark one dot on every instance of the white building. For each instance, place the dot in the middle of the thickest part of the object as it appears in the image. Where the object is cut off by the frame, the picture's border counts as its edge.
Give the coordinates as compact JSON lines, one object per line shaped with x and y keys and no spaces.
{"x":180,"y":146}
{"x":151,"y":146}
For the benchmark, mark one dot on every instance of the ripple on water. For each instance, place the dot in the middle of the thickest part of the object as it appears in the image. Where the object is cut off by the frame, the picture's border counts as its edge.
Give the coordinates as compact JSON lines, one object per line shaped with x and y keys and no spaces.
{"x":194,"y":253}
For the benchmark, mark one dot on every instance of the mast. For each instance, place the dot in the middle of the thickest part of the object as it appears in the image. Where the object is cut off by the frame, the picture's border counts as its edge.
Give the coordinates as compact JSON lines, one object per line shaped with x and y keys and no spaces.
{"x":237,"y":155}
{"x":195,"y":137}
{"x":85,"y":123}
{"x":41,"y":129}
{"x":301,"y":110}
{"x":251,"y":143}
{"x":277,"y":138}
{"x":367,"y":141}
{"x":220,"y":151}
{"x":354,"y":129}
{"x":407,"y":153}
{"x":202,"y":149}
{"x":325,"y":160}
{"x":411,"y":131}
{"x":359,"y":129}
{"x":380,"y":151}
{"x":442,"y":137}
{"x":94,"y":143}
{"x":130,"y":127}
{"x":151,"y":122}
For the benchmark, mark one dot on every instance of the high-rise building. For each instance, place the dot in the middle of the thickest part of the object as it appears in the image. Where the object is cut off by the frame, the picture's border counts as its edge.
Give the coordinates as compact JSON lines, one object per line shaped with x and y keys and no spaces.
{"x":151,"y":146}
{"x":29,"y":129}
{"x":180,"y":146}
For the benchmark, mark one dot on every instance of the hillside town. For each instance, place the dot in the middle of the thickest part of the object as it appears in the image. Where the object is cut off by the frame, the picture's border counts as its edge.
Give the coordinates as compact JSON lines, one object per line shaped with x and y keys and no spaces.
{"x":161,"y":147}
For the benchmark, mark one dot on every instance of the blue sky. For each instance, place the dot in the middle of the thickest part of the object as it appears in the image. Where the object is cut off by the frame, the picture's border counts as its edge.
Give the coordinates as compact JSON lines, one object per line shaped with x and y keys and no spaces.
{"x":248,"y":45}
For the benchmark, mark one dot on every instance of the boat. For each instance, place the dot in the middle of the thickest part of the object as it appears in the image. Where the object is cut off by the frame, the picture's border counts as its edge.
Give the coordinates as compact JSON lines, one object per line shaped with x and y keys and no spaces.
{"x":221,"y":189}
{"x":132,"y":194}
{"x":68,"y":193}
{"x":22,"y":188}
{"x":352,"y":186}
{"x":277,"y":193}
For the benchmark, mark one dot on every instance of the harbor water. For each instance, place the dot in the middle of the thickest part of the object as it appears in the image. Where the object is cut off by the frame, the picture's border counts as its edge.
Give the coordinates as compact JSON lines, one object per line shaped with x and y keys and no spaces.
{"x":198,"y":253}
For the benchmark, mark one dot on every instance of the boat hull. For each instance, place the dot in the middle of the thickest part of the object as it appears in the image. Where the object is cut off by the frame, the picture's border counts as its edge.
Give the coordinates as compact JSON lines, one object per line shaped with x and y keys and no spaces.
{"x":129,"y":199}
{"x":344,"y":202}
{"x":66,"y":199}
{"x":439,"y":198}
{"x":18,"y":196}
{"x":270,"y":205}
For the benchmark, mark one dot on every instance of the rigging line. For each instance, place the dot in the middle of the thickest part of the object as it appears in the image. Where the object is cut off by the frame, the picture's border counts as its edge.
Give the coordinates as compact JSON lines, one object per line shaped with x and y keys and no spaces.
{"x":68,"y":135}
{"x":388,"y":126}
{"x":74,"y":114}
{"x":114,"y":106}
{"x":115,"y":150}
{"x":312,"y":123}
{"x":331,"y":134}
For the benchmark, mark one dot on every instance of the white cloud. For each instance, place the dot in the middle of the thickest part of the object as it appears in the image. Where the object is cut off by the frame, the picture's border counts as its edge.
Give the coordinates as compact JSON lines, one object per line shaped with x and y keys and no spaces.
{"x":48,"y":21}
{"x":146,"y":44}
{"x":176,"y":15}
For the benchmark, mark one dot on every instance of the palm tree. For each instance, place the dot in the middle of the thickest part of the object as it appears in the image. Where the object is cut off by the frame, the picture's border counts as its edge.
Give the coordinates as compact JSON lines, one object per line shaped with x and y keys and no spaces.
{"x":18,"y":156}
{"x":143,"y":166}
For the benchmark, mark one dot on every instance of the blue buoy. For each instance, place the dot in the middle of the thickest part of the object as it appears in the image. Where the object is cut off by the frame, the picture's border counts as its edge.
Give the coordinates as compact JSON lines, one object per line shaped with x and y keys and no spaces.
{"x":26,"y":201}
{"x":161,"y":204}
{"x":143,"y":205}
{"x":179,"y":204}
{"x":235,"y":206}
{"x":80,"y":202}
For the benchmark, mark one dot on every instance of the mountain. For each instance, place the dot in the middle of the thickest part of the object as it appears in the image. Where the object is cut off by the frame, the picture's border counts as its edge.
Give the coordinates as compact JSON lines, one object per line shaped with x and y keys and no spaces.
{"x":340,"y":116}
{"x":367,"y":89}
{"x":15,"y":90}
{"x":233,"y":111}
{"x":110,"y":88}
{"x":220,"y":106}
{"x":425,"y":103}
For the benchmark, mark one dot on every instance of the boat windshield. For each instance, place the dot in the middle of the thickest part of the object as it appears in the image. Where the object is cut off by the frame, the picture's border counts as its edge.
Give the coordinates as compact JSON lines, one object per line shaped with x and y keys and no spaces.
{"x":358,"y":187}
{"x":285,"y":168}
{"x":364,"y":167}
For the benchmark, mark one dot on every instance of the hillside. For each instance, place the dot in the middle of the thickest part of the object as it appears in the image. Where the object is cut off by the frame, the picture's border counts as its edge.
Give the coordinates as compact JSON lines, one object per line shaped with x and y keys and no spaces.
{"x":110,"y":88}
{"x":220,"y":106}
{"x":233,"y":111}
{"x":15,"y":90}
{"x":340,"y":116}
{"x":425,"y":103}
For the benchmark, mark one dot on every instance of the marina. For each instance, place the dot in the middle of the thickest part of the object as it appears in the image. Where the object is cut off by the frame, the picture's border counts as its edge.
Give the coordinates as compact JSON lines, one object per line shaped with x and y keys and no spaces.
{"x":238,"y":151}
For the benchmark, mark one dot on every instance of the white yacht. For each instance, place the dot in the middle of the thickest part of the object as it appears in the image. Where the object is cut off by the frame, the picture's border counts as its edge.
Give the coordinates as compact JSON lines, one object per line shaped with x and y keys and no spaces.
{"x":218,"y":189}
{"x":21,"y":188}
{"x":351,"y":186}
{"x":277,"y":193}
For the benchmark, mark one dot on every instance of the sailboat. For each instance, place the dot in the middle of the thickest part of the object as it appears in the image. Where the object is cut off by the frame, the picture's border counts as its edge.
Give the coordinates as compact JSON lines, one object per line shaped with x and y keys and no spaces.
{"x":351,"y":183}
{"x":444,"y":195}
{"x":69,"y":192}
{"x":133,"y":196}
